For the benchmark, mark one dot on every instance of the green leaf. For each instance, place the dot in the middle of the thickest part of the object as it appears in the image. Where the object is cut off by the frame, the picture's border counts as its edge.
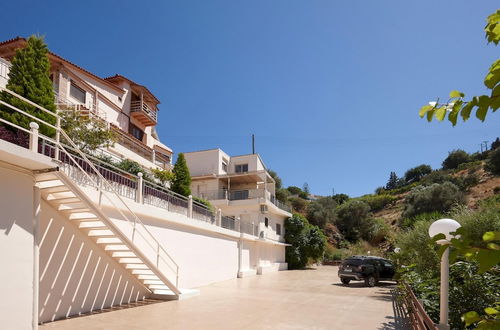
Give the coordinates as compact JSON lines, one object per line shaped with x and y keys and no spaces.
{"x":442,"y":248}
{"x":493,"y":76}
{"x":490,"y":311}
{"x":456,"y":94}
{"x":491,"y":236}
{"x":465,"y":113}
{"x":440,"y":113}
{"x":487,"y":259}
{"x":495,"y":98}
{"x":424,"y":109}
{"x":493,"y":246}
{"x":483,"y":104}
{"x":470,"y":317}
{"x":430,"y":114}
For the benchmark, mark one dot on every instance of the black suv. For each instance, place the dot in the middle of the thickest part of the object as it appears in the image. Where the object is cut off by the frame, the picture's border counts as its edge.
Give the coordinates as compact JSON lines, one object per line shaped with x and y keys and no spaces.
{"x":366,"y":268}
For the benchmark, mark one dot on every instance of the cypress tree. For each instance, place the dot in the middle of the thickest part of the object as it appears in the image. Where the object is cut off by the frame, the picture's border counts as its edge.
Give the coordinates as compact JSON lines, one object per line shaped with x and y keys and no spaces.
{"x":29,"y":76}
{"x":181,"y":183}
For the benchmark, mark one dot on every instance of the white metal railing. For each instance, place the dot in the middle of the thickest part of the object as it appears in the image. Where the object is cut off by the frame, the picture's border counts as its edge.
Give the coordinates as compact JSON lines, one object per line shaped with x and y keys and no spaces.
{"x":4,"y":69}
{"x":242,"y":194}
{"x":140,"y":106}
{"x":62,"y":154}
{"x":64,"y":104}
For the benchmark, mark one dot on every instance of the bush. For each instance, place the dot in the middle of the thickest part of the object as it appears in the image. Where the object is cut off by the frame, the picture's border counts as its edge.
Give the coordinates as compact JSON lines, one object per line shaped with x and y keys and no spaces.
{"x":163,"y":176}
{"x":436,"y":197}
{"x":378,"y":202}
{"x":307,"y":242}
{"x":408,"y":223}
{"x":282,"y":195}
{"x":471,"y":166}
{"x":379,"y":231}
{"x":298,"y":204}
{"x":493,"y":162}
{"x":455,"y":158}
{"x":352,"y":220}
{"x":417,"y":173}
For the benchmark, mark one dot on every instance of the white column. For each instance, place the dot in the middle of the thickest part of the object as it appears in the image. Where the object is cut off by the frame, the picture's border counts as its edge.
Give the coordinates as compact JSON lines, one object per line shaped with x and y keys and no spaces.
{"x":218,"y":219}
{"x":34,"y":136}
{"x":36,"y":252}
{"x":190,"y":206}
{"x":153,"y":160}
{"x":58,"y":135}
{"x":445,"y":272}
{"x":140,"y":185}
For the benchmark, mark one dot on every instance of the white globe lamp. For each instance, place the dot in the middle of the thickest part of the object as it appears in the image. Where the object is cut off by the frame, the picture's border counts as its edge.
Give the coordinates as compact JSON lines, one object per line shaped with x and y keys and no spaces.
{"x":445,"y":227}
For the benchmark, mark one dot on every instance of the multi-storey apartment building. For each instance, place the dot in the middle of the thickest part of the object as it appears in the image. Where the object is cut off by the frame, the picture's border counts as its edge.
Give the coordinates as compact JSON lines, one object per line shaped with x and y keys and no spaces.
{"x":242,"y":188}
{"x":129,"y":108}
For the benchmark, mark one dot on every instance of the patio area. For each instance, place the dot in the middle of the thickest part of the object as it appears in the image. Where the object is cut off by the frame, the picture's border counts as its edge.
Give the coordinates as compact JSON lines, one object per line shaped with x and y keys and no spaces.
{"x":304,"y":299}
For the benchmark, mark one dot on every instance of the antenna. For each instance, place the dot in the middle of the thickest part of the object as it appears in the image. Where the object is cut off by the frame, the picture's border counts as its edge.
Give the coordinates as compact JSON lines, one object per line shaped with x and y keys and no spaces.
{"x":253,"y":144}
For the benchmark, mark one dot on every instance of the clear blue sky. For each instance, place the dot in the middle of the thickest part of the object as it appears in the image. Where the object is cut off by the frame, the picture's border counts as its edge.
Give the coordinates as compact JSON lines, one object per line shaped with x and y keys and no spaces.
{"x":331,"y":89}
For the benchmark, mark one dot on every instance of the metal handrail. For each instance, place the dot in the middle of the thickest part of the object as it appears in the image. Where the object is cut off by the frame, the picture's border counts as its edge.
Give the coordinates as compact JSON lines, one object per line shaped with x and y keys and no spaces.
{"x":102,"y":179}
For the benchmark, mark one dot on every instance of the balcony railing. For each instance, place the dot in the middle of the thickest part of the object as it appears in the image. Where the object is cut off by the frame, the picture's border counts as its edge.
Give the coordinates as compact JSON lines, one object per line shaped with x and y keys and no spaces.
{"x":139,"y":106}
{"x":235,"y":195}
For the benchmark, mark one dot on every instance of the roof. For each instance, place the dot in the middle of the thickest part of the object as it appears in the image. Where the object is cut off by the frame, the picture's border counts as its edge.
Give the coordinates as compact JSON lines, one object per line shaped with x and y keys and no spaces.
{"x":109,"y":81}
{"x":118,"y":77}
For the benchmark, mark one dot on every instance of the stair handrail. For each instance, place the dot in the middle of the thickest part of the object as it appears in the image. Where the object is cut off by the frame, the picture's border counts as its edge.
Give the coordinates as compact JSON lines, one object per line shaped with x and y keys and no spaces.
{"x":58,"y":143}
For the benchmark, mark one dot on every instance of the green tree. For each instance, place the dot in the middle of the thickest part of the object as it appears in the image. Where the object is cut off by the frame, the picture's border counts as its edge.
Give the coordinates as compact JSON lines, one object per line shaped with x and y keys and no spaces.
{"x":353,"y":220}
{"x":322,"y":211}
{"x":277,"y":179}
{"x":455,"y":158}
{"x":493,"y":162}
{"x":394,"y":182}
{"x":495,"y":144}
{"x":181,"y":183}
{"x":294,"y":190}
{"x":417,"y":173}
{"x":308,"y":243}
{"x":340,"y":198}
{"x":86,"y":132}
{"x":456,"y":104}
{"x":29,"y":77}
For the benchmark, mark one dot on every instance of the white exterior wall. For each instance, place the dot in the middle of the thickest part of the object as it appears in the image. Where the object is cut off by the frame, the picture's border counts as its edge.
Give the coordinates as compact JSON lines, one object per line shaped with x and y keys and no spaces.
{"x":76,"y":275}
{"x":253,"y":161}
{"x":206,"y":162}
{"x":4,"y":72}
{"x":16,"y":244}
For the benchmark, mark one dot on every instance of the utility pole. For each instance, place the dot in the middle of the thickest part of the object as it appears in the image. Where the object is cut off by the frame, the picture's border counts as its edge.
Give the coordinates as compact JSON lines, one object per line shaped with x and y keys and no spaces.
{"x":485,"y":145}
{"x":253,"y":144}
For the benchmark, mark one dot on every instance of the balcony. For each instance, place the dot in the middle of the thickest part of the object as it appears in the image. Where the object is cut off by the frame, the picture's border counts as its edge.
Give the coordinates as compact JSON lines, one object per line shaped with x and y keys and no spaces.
{"x":143,"y":113}
{"x":236,"y":195}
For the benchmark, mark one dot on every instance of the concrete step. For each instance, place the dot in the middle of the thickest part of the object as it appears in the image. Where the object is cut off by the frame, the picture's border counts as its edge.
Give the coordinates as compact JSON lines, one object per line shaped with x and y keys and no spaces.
{"x":123,"y":254}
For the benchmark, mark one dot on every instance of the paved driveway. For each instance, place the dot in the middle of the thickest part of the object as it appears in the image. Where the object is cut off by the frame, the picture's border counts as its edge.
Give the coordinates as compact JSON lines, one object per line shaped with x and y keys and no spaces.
{"x":304,"y":299}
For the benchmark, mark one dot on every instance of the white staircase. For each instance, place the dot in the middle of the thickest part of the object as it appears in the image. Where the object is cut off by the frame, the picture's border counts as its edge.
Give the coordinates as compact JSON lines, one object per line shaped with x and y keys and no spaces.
{"x":69,"y":200}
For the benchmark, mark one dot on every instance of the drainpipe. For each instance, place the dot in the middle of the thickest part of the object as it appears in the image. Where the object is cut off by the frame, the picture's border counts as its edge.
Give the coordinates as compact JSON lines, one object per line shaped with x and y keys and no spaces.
{"x":36,"y":253}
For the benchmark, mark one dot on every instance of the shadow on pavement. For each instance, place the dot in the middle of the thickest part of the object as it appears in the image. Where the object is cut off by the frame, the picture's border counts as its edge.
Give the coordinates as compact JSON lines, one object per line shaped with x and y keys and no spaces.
{"x":400,"y":320}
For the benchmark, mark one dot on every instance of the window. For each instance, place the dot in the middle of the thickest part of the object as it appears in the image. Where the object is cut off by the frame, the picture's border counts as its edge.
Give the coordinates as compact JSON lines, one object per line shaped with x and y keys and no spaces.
{"x":77,"y":93}
{"x":266,"y":222}
{"x":242,"y":168}
{"x":224,"y":166}
{"x":136,"y":132}
{"x":278,"y":229}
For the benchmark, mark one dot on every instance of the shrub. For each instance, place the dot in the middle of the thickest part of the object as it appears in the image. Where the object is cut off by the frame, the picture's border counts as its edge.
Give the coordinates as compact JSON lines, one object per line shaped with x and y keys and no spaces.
{"x":298,"y":204}
{"x":163,"y":176}
{"x":471,"y":166}
{"x":282,"y":195}
{"x":417,"y":173}
{"x":493,"y":162}
{"x":455,"y":158}
{"x":378,"y":202}
{"x":204,"y":202}
{"x":340,"y":198}
{"x":379,"y":231}
{"x":133,"y":167}
{"x":436,"y":197}
{"x":408,"y":223}
{"x":352,"y":219}
{"x":307,"y":242}
{"x":496,"y":190}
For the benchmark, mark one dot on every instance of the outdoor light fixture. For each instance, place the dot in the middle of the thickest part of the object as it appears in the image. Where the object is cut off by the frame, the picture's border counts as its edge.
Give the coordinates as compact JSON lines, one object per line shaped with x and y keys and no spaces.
{"x":446,"y":227}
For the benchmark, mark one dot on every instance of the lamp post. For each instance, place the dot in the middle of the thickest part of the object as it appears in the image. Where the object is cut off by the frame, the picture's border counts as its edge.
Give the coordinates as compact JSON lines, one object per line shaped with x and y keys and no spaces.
{"x":446,"y":227}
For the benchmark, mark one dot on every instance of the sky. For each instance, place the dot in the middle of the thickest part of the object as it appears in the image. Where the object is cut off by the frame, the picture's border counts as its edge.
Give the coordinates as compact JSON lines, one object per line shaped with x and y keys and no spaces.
{"x":331,"y":89}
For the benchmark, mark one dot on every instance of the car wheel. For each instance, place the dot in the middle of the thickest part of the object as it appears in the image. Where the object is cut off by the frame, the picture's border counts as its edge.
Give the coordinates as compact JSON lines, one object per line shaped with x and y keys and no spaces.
{"x":345,"y":281}
{"x":370,"y":281}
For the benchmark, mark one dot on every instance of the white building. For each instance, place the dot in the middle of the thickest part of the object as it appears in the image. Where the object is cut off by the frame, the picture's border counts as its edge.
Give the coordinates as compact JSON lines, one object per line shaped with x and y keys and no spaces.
{"x":242,"y":188}
{"x":129,"y":108}
{"x":78,"y":236}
